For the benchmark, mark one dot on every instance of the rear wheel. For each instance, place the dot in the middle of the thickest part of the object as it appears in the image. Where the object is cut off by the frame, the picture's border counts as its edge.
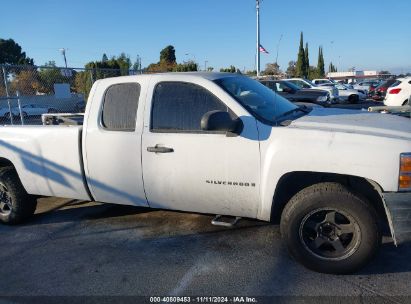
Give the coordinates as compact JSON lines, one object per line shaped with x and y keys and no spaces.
{"x":329,"y":229}
{"x":353,"y":99}
{"x":16,"y":204}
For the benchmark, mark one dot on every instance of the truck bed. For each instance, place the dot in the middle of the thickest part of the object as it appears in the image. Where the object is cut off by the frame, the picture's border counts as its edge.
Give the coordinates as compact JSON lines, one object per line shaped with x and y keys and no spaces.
{"x":48,"y":159}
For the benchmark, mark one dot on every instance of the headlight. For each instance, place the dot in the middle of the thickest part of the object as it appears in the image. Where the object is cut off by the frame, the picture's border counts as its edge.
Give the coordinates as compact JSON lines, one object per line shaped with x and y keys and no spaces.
{"x":405,"y":172}
{"x":322,"y":98}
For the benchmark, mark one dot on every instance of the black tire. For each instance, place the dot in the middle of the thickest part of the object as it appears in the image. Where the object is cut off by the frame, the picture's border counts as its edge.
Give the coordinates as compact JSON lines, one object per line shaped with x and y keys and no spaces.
{"x":353,"y":99}
{"x":16,"y":205}
{"x":313,"y":242}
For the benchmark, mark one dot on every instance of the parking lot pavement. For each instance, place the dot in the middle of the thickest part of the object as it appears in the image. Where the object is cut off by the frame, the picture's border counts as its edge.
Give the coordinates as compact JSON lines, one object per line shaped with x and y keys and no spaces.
{"x":79,"y":248}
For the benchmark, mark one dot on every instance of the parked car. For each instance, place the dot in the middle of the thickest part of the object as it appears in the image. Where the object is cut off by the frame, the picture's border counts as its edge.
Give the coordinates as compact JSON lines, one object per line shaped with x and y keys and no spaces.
{"x":295,"y":94}
{"x":322,"y":81}
{"x":306,"y":84}
{"x":33,"y":110}
{"x":5,"y":113}
{"x":224,"y":144}
{"x":348,"y":94}
{"x":398,"y":94}
{"x":366,"y":85}
{"x":380,"y":91}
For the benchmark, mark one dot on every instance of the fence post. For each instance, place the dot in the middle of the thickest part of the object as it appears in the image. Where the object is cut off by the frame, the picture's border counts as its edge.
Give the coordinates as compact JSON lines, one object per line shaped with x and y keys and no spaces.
{"x":7,"y":94}
{"x":19,"y":105}
{"x":91,"y":76}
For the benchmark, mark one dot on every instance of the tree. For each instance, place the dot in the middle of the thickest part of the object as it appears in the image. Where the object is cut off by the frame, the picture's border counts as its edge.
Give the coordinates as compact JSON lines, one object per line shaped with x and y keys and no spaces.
{"x":291,"y":70}
{"x":83,"y":82}
{"x":124,"y":63}
{"x":167,"y":61}
{"x":313,"y":72}
{"x":26,"y":82}
{"x":49,"y":75}
{"x":307,"y":61}
{"x":272,"y":69}
{"x":320,"y":64}
{"x":231,"y":69}
{"x":332,"y":68}
{"x":188,"y":66}
{"x":384,"y":72}
{"x":168,"y":55}
{"x":104,"y":58}
{"x":301,"y":65}
{"x":210,"y":69}
{"x":11,"y":53}
{"x":251,"y":73}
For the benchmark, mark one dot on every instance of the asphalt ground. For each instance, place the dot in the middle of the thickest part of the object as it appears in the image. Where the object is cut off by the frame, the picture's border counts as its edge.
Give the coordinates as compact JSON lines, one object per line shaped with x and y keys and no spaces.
{"x":106,"y":252}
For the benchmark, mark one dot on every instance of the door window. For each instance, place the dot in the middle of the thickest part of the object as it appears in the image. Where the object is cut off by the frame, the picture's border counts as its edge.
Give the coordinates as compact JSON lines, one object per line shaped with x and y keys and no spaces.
{"x":179,"y":107}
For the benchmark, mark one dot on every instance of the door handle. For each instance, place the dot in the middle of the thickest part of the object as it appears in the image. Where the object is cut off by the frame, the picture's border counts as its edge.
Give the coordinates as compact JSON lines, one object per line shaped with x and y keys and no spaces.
{"x":158,"y":149}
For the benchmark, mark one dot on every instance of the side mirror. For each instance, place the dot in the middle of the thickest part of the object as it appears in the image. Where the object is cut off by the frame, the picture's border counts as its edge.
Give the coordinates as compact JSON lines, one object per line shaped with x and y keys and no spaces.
{"x":221,"y":121}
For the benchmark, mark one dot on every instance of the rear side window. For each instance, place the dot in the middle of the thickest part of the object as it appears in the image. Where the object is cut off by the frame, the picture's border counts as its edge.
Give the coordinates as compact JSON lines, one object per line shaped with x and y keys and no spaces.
{"x":396,"y":83}
{"x":179,"y":106}
{"x":120,"y":107}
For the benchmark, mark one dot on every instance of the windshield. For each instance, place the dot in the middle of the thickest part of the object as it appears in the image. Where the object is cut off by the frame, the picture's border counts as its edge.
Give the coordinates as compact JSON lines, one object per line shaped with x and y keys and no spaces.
{"x":291,"y":85}
{"x":261,"y":101}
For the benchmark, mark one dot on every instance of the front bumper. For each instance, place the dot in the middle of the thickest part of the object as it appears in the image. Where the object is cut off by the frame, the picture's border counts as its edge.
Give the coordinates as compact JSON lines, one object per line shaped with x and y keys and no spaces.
{"x":399,"y":213}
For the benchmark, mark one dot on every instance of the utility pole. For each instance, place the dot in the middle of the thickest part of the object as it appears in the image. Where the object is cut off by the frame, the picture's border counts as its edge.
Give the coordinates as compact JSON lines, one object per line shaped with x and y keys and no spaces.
{"x":63,"y":52}
{"x":258,"y":38}
{"x":205,"y":65}
{"x":278,"y":47}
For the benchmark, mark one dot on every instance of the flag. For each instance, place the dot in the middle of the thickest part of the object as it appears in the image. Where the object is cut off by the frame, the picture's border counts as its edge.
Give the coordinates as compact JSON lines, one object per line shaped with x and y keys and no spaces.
{"x":263,"y":50}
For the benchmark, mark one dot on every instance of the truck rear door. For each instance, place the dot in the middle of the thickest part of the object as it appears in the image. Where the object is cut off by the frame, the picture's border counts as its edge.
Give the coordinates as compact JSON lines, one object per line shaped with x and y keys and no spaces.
{"x":112,"y":142}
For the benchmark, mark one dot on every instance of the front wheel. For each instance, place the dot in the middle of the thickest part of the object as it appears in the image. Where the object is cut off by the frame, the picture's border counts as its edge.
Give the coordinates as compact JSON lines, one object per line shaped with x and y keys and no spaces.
{"x":16,"y":205}
{"x":329,"y":229}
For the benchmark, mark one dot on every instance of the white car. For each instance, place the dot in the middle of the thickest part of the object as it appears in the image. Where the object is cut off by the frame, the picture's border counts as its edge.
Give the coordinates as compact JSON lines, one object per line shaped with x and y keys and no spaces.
{"x":398,"y":94}
{"x":33,"y":110}
{"x":306,"y":84}
{"x":322,"y":81}
{"x":348,"y":94}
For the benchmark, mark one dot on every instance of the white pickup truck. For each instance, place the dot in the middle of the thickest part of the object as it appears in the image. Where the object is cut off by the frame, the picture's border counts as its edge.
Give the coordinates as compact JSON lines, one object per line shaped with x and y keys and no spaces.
{"x":224,"y":144}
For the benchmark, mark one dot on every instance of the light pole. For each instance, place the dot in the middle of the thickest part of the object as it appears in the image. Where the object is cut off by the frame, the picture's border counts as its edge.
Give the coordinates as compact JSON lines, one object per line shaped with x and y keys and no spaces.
{"x":63,"y":52}
{"x":205,"y":65}
{"x":278,"y":47}
{"x":258,"y":38}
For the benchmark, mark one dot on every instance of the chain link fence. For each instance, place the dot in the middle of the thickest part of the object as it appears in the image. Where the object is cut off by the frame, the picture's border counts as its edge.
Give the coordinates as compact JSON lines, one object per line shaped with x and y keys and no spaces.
{"x":27,"y":92}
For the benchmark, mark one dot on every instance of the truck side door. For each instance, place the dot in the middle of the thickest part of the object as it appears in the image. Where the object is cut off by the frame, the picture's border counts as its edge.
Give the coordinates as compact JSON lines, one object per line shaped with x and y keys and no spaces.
{"x":112,"y":143}
{"x":197,"y":170}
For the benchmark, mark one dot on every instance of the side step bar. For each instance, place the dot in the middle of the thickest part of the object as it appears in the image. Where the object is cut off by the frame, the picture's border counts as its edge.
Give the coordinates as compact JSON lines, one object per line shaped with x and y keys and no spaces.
{"x":217,"y":221}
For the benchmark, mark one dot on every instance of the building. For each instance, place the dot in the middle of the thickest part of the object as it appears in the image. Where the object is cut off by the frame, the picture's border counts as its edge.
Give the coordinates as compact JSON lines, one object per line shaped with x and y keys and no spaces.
{"x":356,"y":75}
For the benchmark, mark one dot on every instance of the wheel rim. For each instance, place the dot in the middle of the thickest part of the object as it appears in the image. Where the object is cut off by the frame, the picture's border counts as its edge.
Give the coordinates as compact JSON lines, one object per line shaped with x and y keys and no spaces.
{"x":330,"y":234}
{"x":5,"y":201}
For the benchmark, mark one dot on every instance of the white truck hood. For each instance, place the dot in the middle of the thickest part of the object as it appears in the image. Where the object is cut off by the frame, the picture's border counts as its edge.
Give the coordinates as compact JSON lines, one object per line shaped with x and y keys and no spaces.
{"x":355,"y":121}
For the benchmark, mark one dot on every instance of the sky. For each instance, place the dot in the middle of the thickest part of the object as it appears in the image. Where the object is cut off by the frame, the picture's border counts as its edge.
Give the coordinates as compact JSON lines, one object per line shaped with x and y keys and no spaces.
{"x":365,"y":34}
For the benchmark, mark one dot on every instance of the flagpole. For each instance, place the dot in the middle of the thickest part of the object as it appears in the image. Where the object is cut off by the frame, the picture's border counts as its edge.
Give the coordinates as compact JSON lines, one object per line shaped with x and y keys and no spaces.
{"x":258,"y":37}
